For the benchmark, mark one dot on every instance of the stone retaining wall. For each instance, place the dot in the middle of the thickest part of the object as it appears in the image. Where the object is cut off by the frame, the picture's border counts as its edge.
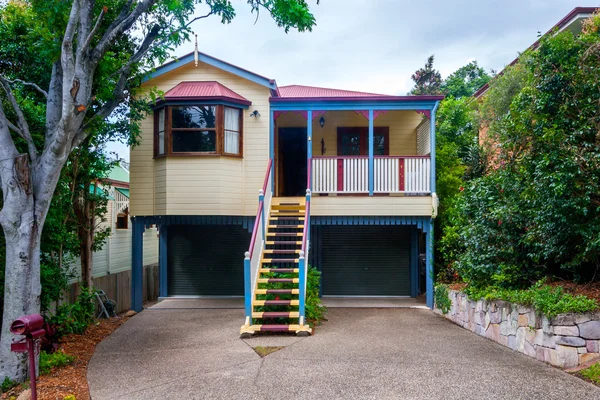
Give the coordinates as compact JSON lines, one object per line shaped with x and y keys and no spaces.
{"x":567,"y":341}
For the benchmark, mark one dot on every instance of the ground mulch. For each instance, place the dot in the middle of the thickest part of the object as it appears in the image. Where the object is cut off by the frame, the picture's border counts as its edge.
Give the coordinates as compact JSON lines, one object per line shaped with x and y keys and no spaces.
{"x":591,"y":290}
{"x":72,"y":379}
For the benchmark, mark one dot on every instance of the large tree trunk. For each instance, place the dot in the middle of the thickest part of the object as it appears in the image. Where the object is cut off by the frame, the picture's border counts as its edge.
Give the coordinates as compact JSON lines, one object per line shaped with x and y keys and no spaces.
{"x":22,"y":287}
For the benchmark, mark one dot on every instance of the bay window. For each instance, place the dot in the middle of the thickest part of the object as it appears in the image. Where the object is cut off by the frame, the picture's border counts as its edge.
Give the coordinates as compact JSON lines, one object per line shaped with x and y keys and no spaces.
{"x":197,"y":130}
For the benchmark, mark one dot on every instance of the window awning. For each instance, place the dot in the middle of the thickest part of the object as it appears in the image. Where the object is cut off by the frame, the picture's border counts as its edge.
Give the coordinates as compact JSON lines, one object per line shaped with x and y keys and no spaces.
{"x":123,"y":191}
{"x":205,"y":91}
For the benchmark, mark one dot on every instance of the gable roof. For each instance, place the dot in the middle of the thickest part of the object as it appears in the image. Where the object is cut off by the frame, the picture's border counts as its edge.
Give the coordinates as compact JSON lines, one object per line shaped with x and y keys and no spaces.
{"x":569,"y":21}
{"x":215,"y":62}
{"x":118,"y":174}
{"x":210,"y":90}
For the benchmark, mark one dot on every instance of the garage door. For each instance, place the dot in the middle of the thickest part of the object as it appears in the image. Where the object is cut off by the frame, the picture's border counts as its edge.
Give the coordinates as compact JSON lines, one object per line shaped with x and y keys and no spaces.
{"x":366,"y":261}
{"x":206,"y":260}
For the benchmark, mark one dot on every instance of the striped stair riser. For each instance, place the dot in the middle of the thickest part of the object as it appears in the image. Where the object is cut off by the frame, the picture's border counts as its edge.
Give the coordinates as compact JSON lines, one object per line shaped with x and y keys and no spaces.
{"x":276,"y":303}
{"x":279,"y":260}
{"x":279,"y":270}
{"x":276,"y":314}
{"x":277,"y":291}
{"x":275,"y":251}
{"x":278,"y":280}
{"x":283,"y":242}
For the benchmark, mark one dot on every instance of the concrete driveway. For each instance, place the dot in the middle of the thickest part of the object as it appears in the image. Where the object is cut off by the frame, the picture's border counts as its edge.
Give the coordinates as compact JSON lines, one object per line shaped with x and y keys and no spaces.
{"x":393,"y":353}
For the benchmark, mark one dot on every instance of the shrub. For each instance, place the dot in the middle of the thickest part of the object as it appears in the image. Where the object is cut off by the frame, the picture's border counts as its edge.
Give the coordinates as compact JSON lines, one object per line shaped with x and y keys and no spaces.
{"x":7,"y":384}
{"x":58,"y":359}
{"x":545,"y":299}
{"x":592,"y":373}
{"x":442,"y":299}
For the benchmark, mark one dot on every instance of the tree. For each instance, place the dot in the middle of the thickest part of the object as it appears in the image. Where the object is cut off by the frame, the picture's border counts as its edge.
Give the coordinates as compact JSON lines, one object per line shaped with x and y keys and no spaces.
{"x":428,"y":81}
{"x":95,"y":55}
{"x":465,"y":81}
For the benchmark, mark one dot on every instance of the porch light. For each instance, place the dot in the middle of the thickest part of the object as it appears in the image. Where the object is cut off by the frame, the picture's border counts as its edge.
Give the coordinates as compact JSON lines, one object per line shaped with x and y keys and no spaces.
{"x":322,"y":121}
{"x":255,"y":114}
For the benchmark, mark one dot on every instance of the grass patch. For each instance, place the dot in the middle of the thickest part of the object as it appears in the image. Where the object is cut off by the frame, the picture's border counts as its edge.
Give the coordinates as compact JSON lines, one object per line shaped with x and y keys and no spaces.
{"x":58,"y":359}
{"x":592,"y":373}
{"x":266,"y":350}
{"x":544,"y":298}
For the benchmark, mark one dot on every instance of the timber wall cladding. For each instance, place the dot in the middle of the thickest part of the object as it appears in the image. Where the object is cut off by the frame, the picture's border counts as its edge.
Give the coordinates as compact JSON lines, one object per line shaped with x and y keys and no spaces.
{"x":567,"y":341}
{"x":199,"y":185}
{"x":118,"y":287}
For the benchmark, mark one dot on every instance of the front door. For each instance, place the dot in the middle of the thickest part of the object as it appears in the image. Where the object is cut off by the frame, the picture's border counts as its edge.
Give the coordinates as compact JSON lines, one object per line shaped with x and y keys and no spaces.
{"x":292,"y":162}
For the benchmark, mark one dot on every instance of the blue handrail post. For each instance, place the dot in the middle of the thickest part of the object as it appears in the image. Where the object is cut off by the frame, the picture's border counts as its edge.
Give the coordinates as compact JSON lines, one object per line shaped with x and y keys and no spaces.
{"x":307,"y":222}
{"x":261,"y":199}
{"x":247,"y":289}
{"x":302,"y":288}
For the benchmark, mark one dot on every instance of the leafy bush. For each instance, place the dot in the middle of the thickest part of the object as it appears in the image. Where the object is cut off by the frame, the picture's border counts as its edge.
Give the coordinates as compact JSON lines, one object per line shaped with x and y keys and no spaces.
{"x":442,"y":299}
{"x":69,"y":318}
{"x":58,"y":359}
{"x":544,"y":298}
{"x":7,"y":384}
{"x":592,"y":373}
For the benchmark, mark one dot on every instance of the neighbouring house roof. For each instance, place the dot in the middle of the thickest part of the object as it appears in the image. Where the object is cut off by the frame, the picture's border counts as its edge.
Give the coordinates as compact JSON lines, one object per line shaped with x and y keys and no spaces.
{"x":209,"y":90}
{"x":302,"y":93}
{"x":123,"y":191}
{"x":572,"y":21}
{"x":215,"y":62}
{"x":118,"y":174}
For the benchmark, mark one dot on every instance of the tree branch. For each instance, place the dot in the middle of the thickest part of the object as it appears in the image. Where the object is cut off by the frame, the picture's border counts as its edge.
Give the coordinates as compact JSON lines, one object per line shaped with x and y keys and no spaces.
{"x":31,"y":84}
{"x":21,"y":121}
{"x":90,"y":37}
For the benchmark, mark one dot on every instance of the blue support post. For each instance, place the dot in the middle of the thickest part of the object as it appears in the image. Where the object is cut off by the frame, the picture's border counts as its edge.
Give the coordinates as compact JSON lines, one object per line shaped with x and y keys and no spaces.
{"x":137,"y":261}
{"x":414,"y":262}
{"x":371,"y":162}
{"x":247,"y":289}
{"x":429,"y":264}
{"x":162,"y":260}
{"x":261,"y":199}
{"x":432,"y":144}
{"x":308,"y":196}
{"x":272,"y":147}
{"x":302,"y":287}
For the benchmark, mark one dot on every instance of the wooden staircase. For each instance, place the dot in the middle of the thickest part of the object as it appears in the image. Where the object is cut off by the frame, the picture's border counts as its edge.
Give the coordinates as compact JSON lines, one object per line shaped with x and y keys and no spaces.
{"x":275,"y":304}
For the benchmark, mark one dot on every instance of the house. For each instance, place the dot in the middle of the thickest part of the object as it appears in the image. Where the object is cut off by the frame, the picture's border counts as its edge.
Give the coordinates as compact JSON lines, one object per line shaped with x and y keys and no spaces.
{"x":247,"y":180}
{"x":111,"y":265}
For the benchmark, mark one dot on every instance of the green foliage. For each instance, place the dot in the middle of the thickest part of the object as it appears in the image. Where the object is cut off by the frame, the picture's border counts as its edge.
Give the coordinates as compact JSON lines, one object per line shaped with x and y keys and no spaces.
{"x":428,"y":81}
{"x":537,"y":212}
{"x":465,"y":81}
{"x":76,"y":317}
{"x":545,"y":299}
{"x":442,"y":299}
{"x":592,"y":373}
{"x":7,"y":384}
{"x":70,"y":397}
{"x":58,"y":359}
{"x":314,"y":309}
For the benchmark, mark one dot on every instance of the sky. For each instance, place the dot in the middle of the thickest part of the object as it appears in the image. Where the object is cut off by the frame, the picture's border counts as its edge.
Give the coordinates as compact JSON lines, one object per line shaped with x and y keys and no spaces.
{"x":376,"y":45}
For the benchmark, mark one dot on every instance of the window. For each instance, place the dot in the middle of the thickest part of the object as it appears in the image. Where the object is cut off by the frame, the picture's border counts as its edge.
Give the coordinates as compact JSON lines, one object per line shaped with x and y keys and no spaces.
{"x":123,"y":219}
{"x":355,"y":141}
{"x":198,"y":130}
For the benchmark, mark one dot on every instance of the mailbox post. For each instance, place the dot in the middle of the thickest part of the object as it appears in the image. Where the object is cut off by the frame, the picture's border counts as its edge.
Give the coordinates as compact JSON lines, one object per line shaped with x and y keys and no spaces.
{"x":32,"y":327}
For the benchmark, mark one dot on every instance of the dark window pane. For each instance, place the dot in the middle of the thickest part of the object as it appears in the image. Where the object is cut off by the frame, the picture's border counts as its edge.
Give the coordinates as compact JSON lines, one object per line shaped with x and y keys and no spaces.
{"x":379,"y":145}
{"x":194,"y":117}
{"x":350,"y":144}
{"x":194,"y":141}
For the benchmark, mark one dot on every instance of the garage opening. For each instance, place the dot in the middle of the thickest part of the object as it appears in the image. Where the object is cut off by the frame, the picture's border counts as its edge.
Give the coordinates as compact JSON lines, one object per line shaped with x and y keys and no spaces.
{"x":206,"y":260}
{"x":365,"y":260}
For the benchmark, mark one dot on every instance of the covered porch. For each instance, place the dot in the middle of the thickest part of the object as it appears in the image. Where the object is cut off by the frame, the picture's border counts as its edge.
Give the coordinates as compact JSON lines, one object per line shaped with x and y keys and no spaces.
{"x":354,"y":152}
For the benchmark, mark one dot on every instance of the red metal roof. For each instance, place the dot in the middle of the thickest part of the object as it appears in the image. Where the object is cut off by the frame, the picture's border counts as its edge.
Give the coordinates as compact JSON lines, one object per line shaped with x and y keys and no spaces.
{"x":299,"y":91}
{"x":209,"y":90}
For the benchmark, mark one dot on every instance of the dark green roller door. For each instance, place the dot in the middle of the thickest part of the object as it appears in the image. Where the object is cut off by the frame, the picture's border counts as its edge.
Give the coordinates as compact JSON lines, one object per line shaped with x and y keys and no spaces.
{"x":206,"y":260}
{"x":366,"y":261}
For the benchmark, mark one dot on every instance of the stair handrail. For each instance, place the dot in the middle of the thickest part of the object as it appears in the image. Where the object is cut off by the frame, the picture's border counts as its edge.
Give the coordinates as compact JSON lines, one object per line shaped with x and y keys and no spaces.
{"x":303,"y":262}
{"x":249,"y":255}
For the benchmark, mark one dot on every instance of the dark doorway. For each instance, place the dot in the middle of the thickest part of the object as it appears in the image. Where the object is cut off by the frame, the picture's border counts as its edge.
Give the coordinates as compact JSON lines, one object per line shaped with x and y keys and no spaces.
{"x":292,"y":162}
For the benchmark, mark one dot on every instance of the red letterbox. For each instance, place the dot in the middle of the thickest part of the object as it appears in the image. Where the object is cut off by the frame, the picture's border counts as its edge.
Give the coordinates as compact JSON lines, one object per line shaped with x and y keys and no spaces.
{"x":32,"y":327}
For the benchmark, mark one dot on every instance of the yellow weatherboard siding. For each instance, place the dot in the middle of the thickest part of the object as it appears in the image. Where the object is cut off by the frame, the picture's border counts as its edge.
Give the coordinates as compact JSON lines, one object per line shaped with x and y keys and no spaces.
{"x":203,"y":185}
{"x":371,"y":206}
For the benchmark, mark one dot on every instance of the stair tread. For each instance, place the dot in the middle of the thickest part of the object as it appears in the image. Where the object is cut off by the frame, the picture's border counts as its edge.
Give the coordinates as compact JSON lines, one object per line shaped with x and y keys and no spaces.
{"x":278,"y":280}
{"x":260,"y":303}
{"x":275,"y":314}
{"x":276,"y":242}
{"x":277,"y":291}
{"x":279,"y":270}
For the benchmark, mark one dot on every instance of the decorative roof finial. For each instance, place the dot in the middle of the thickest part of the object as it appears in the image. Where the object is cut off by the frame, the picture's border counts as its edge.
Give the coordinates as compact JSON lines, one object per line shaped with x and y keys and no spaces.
{"x":196,"y":51}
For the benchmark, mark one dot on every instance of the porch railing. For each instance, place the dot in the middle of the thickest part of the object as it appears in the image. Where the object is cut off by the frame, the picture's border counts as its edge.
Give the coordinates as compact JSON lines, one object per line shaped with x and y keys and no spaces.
{"x":392,"y":174}
{"x":303,"y":261}
{"x":257,"y":243}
